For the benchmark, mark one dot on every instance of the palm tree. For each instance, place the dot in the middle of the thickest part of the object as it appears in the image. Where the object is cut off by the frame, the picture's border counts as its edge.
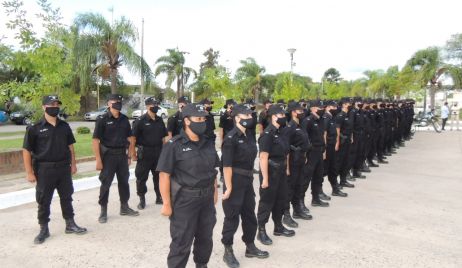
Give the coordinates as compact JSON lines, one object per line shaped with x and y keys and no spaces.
{"x":250,"y":77}
{"x":103,"y":47}
{"x":173,"y":66}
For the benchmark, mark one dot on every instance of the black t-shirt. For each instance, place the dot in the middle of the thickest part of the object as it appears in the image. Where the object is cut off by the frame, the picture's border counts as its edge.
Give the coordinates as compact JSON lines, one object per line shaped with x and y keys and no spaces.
{"x":175,"y":123}
{"x":358,"y":125}
{"x":253,"y":130}
{"x":272,"y":141}
{"x":315,"y":129}
{"x":49,"y":143}
{"x":210,"y":130}
{"x":113,"y":132}
{"x":239,"y":150}
{"x":149,"y":132}
{"x":345,"y":123}
{"x":296,"y":136}
{"x":226,"y":122}
{"x":330,"y":127}
{"x":190,"y":164}
{"x":263,"y":119}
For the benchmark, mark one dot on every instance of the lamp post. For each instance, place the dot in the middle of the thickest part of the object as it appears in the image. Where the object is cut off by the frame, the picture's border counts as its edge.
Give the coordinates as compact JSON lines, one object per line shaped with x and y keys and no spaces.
{"x":292,"y":64}
{"x":425,"y":97}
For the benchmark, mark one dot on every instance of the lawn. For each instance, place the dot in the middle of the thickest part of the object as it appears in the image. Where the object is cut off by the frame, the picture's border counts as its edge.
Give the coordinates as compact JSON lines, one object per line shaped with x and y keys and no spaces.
{"x":82,"y":146}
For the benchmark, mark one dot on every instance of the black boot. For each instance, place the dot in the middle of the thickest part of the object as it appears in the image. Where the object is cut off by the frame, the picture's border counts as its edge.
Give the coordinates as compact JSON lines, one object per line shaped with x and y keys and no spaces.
{"x":316,"y":202}
{"x":382,"y":161}
{"x":365,"y":168}
{"x":142,"y":203}
{"x":125,"y":210}
{"x":347,"y":184}
{"x":300,"y":214}
{"x":263,"y":237}
{"x":159,"y":200}
{"x":229,"y":257}
{"x":43,"y":234}
{"x":372,"y":164}
{"x":323,"y":196}
{"x":349,"y":177}
{"x":303,"y":207}
{"x":336,"y":192}
{"x":201,"y":265}
{"x":73,"y":228}
{"x":103,"y":215}
{"x":280,"y":230}
{"x":357,"y":174}
{"x":287,"y":220}
{"x":252,"y":251}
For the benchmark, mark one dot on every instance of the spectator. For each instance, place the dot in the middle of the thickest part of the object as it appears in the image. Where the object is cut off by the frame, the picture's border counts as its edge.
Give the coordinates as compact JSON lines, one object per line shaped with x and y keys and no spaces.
{"x":444,"y":114}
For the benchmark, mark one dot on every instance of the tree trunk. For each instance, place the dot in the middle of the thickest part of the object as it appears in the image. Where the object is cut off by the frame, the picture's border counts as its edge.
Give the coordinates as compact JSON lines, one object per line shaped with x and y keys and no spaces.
{"x":178,"y":86}
{"x":113,"y":81}
{"x":432,"y":97}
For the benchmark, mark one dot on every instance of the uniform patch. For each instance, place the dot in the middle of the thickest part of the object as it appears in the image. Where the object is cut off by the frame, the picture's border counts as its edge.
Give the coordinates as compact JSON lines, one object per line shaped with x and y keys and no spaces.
{"x":187,"y":149}
{"x":43,"y":130}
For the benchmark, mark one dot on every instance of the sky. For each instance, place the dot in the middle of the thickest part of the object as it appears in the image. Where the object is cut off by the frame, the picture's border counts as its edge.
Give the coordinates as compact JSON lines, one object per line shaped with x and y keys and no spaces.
{"x":349,"y":35}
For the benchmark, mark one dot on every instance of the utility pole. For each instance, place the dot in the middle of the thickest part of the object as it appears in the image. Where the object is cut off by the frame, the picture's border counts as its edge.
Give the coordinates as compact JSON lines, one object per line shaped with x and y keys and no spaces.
{"x":142,"y":57}
{"x":292,"y":64}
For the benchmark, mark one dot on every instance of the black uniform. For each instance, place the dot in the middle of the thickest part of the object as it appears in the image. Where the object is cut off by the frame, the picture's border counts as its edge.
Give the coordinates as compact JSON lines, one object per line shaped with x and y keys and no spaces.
{"x":113,"y":134}
{"x":51,"y":157}
{"x":263,"y":119}
{"x":371,"y":149}
{"x":357,"y":147}
{"x":239,"y":152}
{"x":314,"y":167}
{"x":273,"y":198}
{"x":210,"y":130}
{"x":191,"y":166}
{"x":345,"y":123}
{"x":149,"y":134}
{"x":381,"y":125}
{"x":226,"y":122}
{"x":175,"y":123}
{"x":330,"y":163}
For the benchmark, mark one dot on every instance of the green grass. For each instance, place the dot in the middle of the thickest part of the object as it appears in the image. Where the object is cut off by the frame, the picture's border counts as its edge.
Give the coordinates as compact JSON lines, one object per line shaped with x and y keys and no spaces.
{"x":82,"y":146}
{"x":8,"y":134}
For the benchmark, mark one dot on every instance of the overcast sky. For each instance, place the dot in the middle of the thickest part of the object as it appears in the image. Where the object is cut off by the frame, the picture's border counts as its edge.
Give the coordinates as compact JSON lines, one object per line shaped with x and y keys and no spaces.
{"x":352,"y":36}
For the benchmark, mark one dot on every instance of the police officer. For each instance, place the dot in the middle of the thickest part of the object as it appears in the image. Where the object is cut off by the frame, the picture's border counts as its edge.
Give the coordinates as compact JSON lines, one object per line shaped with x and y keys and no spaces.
{"x":175,"y":122}
{"x":239,"y":153}
{"x":263,"y":121}
{"x":274,"y":149}
{"x":226,"y":125}
{"x":314,"y":167}
{"x":251,"y":104}
{"x":210,"y":130}
{"x":381,"y":125}
{"x":357,"y":147}
{"x":372,"y":150}
{"x":112,"y":138}
{"x":189,"y":189}
{"x":149,"y":132}
{"x":345,"y":129}
{"x":332,"y":140}
{"x":299,"y":146}
{"x":49,"y":160}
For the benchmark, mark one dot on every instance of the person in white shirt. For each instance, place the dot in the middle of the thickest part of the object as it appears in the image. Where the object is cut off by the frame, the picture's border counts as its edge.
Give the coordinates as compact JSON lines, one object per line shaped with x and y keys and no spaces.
{"x":444,"y":114}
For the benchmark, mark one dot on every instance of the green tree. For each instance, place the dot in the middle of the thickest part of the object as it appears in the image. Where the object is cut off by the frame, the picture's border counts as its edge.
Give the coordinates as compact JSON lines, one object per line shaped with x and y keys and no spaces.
{"x":105,"y":47}
{"x":173,"y":65}
{"x":287,"y":88}
{"x":211,"y":60}
{"x":332,"y":75}
{"x":249,"y":78}
{"x":454,"y":48}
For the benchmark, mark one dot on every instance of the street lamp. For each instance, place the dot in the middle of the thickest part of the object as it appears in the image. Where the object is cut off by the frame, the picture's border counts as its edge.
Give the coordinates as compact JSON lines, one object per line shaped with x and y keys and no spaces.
{"x":292,"y":63}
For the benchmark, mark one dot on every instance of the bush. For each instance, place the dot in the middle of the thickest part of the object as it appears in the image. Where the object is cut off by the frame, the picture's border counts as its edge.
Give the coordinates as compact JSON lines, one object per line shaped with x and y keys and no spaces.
{"x":83,"y":130}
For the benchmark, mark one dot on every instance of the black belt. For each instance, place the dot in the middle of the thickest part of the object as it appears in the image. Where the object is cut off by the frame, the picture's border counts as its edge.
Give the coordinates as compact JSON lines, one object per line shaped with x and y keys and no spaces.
{"x":150,"y":147}
{"x":197,"y":192}
{"x":116,"y":151}
{"x":295,"y":148}
{"x":276,"y":164}
{"x":54,"y":164}
{"x":243,"y":172}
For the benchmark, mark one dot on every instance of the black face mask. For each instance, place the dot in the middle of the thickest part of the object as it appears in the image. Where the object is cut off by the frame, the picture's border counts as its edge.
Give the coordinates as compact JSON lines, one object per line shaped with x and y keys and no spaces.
{"x":154,"y":109}
{"x":374,"y":106}
{"x":117,"y":106}
{"x":282,"y":121}
{"x":252,"y":108}
{"x":52,"y":111}
{"x":198,"y":127}
{"x":300,"y":116}
{"x":320,"y":112}
{"x":333,"y":112}
{"x":360,"y":105}
{"x":208,"y":109}
{"x":247,"y":123}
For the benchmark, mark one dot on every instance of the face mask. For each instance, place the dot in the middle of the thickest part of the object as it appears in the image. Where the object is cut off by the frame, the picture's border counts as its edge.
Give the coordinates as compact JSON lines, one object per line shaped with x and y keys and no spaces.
{"x":333,"y":112}
{"x":252,"y":108}
{"x":374,"y":106}
{"x":208,"y":109}
{"x":154,"y":109}
{"x":247,"y":123}
{"x":52,"y":111}
{"x":300,"y":116}
{"x":117,"y":106}
{"x":281,"y":121}
{"x":198,"y":127}
{"x":360,"y":105}
{"x":320,"y":112}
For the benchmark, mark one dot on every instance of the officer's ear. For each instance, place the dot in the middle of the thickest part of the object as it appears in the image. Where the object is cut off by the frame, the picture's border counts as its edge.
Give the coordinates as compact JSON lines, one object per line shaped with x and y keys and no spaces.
{"x":187,"y":121}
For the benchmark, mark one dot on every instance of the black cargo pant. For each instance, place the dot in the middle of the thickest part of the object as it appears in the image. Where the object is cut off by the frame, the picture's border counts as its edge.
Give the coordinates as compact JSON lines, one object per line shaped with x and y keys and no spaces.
{"x":51,"y":176}
{"x":314,"y":172}
{"x":241,"y":203}
{"x":381,"y":142}
{"x":371,"y":150}
{"x":296,"y":179}
{"x":273,"y":198}
{"x":343,"y":158}
{"x":147,"y":164}
{"x":356,"y":149}
{"x":114,"y":164}
{"x":330,"y":165}
{"x":192,"y":220}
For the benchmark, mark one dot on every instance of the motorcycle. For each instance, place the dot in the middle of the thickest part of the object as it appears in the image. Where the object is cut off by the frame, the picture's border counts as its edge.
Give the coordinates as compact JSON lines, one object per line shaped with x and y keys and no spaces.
{"x":425,"y":120}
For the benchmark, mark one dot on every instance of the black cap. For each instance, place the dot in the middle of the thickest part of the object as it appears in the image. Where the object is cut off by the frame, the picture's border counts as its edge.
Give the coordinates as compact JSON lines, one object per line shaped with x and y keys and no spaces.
{"x":230,"y":102}
{"x":151,"y":101}
{"x":280,"y":101}
{"x":241,"y":109}
{"x":206,"y":101}
{"x":275,"y":109}
{"x":250,"y":101}
{"x":116,"y":97}
{"x":183,"y":99}
{"x":302,"y":100}
{"x":345,"y":100}
{"x":194,"y":109}
{"x":331,"y":103}
{"x":49,"y":99}
{"x":379,"y":100}
{"x":317,"y":103}
{"x":292,"y":106}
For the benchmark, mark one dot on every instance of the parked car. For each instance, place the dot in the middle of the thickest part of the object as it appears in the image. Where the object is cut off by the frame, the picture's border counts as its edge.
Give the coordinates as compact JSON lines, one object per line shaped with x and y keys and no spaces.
{"x":24,"y":117}
{"x":162,"y":113}
{"x":92,"y":116}
{"x":167,"y":105}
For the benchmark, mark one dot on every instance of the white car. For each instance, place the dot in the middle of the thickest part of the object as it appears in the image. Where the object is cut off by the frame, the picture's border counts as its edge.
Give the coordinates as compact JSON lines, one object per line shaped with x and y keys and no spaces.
{"x":163,"y":113}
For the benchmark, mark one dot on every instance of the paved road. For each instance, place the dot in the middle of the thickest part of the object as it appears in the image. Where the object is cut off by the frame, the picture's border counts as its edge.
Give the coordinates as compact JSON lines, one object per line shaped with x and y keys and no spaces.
{"x":74,"y":125}
{"x":405,"y":214}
